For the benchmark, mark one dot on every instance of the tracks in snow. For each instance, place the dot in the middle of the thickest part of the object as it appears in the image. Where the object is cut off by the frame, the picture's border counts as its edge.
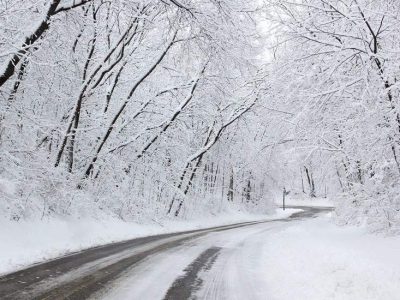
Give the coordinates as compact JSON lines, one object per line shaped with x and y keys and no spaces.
{"x":84,"y":274}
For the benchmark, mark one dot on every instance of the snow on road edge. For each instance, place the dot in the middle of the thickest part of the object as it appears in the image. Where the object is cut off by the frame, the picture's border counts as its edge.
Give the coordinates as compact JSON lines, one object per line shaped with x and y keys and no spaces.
{"x":25,"y":243}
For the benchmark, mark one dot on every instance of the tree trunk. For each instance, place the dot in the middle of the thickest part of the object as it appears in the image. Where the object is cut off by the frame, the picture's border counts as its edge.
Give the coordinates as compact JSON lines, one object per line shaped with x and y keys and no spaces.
{"x":310,"y":182}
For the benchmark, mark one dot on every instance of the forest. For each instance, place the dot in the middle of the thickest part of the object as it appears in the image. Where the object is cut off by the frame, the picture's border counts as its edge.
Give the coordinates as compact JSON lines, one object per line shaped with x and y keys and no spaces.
{"x":152,"y":109}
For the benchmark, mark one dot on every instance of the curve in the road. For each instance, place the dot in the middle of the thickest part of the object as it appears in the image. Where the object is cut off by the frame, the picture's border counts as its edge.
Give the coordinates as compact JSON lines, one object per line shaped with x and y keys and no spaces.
{"x":79,"y":275}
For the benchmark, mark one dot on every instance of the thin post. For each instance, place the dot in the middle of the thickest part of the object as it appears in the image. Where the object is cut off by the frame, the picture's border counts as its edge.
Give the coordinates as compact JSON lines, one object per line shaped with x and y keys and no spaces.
{"x":283,"y":198}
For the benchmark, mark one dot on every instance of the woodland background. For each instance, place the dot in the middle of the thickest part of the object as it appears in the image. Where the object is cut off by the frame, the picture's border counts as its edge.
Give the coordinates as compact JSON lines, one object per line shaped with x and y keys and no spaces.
{"x":149,"y":109}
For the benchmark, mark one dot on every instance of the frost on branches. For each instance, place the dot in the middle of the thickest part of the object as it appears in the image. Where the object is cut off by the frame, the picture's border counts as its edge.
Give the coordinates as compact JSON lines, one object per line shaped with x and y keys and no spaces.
{"x":149,"y":109}
{"x":129,"y":109}
{"x":336,"y":67}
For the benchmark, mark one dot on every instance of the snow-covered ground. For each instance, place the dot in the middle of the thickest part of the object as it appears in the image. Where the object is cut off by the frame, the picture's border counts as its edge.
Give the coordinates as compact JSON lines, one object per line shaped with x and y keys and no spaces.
{"x":318,"y":260}
{"x":24,"y":243}
{"x":312,"y":259}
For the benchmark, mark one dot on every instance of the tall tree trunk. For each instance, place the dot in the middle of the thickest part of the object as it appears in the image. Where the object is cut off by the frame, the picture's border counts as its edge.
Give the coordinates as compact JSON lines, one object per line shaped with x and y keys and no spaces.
{"x":230,"y":189}
{"x":43,"y":26}
{"x":187,"y":168}
{"x":84,"y":89}
{"x":310,"y":182}
{"x":122,"y":108}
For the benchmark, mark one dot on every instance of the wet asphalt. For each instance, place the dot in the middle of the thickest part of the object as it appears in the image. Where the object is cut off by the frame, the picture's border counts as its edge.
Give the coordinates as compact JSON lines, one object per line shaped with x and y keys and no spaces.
{"x":82,"y":274}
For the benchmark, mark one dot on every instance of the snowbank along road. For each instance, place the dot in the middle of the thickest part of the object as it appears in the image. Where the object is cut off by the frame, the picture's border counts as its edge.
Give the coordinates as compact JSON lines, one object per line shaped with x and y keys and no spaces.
{"x":212,"y":263}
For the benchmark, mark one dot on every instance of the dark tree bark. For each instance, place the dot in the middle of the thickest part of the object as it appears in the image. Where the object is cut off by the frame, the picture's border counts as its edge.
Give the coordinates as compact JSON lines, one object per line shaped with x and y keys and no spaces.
{"x":230,"y":190}
{"x":199,"y":155}
{"x":37,"y":34}
{"x":310,"y":182}
{"x":86,"y":85}
{"x":122,"y":108}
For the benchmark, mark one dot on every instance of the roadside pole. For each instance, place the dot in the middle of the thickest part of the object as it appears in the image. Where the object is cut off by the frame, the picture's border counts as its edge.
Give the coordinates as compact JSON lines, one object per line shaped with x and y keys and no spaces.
{"x":283,"y":198}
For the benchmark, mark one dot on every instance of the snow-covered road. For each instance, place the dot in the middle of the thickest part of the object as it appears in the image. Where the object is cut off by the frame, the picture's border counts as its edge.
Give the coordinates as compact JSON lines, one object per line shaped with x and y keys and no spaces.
{"x":305,"y":256}
{"x":80,"y":275}
{"x":219,"y":265}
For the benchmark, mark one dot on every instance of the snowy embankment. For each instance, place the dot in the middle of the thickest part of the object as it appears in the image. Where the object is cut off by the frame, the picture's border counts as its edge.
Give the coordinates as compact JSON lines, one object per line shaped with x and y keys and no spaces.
{"x":319,"y":260}
{"x":26,"y":242}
